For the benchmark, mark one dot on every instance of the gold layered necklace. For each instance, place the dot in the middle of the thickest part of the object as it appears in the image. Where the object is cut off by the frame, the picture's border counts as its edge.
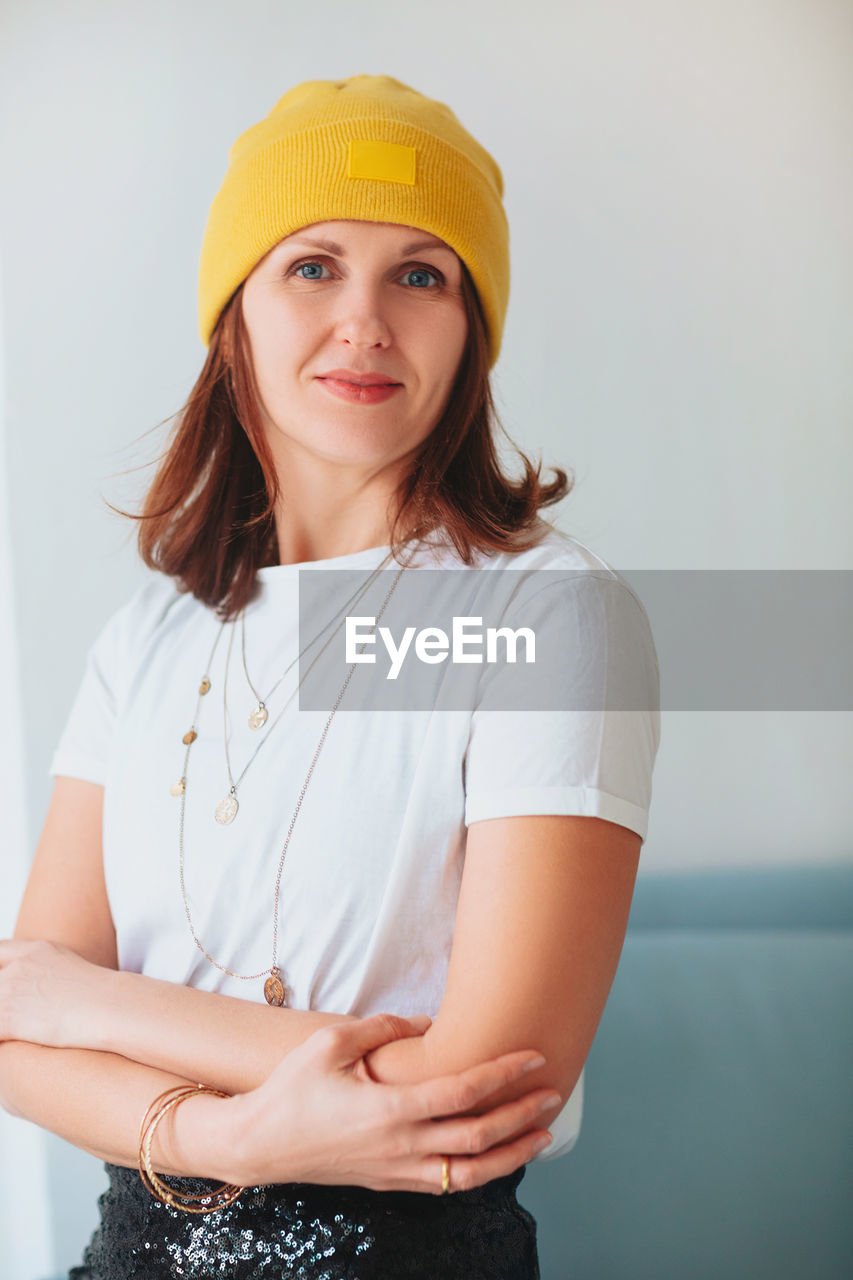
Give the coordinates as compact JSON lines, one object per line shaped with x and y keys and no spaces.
{"x":228,"y":807}
{"x":226,"y":810}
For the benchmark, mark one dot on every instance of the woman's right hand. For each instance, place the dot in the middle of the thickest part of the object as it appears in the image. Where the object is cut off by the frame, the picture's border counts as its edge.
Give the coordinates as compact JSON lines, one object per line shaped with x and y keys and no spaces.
{"x":321,"y":1118}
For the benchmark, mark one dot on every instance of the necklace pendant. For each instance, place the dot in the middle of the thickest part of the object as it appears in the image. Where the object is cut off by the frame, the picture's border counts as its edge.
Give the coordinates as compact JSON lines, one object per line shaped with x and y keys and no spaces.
{"x":226,"y":810}
{"x":274,"y":988}
{"x":204,"y":687}
{"x":258,"y":717}
{"x":178,"y":788}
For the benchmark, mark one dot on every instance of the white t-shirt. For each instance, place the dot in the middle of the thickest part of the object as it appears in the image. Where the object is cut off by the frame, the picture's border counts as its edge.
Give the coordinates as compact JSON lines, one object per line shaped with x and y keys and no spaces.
{"x":372,"y":872}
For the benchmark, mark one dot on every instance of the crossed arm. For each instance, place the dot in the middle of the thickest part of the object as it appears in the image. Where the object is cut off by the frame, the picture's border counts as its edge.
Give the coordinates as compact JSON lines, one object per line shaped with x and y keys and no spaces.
{"x":541,"y":920}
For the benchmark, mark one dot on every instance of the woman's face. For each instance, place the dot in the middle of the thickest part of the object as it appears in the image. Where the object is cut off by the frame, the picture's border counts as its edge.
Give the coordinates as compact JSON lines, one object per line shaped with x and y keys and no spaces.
{"x":373,"y":298}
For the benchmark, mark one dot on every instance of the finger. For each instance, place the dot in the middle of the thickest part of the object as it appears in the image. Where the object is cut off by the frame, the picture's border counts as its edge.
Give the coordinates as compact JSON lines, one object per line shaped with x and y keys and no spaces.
{"x":467,"y":1172}
{"x":346,"y":1042}
{"x":461,"y":1091}
{"x":473,"y":1135}
{"x":420,"y":1021}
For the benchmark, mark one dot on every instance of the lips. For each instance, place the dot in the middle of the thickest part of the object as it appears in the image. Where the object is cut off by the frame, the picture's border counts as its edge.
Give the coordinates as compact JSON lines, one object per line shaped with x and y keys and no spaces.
{"x":358,"y":392}
{"x":359,"y":379}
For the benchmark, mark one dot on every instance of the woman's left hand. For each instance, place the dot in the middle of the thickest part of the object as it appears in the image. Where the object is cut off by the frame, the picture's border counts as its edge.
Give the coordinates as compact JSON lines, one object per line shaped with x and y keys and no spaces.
{"x":50,"y":995}
{"x":320,"y":1117}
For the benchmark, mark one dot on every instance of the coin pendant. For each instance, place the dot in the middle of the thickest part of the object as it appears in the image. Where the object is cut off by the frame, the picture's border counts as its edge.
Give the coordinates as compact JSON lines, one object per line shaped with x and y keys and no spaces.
{"x":189,"y":737}
{"x":226,"y":810}
{"x":274,"y":990}
{"x":204,"y":687}
{"x":258,"y":717}
{"x":178,"y":788}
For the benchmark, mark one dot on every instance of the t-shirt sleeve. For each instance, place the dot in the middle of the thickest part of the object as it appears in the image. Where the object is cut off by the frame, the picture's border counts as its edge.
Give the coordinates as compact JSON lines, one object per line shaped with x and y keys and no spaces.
{"x":85,"y":744}
{"x":581,"y":736}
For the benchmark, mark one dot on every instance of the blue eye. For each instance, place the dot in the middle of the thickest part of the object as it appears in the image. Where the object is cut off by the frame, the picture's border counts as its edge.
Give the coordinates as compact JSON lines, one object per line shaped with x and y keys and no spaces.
{"x":422,"y":271}
{"x":317,"y":267}
{"x":300,"y":265}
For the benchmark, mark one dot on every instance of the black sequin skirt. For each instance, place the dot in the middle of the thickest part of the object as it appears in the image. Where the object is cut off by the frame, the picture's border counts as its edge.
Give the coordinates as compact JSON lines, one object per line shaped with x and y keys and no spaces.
{"x":312,"y":1232}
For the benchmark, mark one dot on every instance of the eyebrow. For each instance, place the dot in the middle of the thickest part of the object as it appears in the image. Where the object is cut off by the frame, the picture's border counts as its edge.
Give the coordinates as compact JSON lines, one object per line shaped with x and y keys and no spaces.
{"x":331,"y":247}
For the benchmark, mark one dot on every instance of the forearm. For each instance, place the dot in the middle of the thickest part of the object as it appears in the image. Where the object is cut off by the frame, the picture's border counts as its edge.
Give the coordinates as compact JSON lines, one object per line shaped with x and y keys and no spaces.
{"x":447,"y":1048}
{"x":234,"y":1044}
{"x":229,"y":1043}
{"x":96,"y":1101}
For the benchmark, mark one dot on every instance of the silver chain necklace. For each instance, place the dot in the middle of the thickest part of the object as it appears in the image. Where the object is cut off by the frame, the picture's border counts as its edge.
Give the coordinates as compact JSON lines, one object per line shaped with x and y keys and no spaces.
{"x":228,"y":807}
{"x":259,"y":714}
{"x":274,"y":988}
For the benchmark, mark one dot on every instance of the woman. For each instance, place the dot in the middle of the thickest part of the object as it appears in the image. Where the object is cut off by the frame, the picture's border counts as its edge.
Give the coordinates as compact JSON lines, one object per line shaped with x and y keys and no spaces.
{"x":229,"y":888}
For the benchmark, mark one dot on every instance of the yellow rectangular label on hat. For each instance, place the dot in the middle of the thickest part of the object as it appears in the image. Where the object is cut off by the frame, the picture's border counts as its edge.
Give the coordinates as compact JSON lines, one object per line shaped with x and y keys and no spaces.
{"x":384,"y":161}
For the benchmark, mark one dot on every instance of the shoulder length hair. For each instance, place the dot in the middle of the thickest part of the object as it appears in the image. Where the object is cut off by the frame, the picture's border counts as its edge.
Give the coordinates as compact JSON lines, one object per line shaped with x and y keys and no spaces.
{"x":208,"y":518}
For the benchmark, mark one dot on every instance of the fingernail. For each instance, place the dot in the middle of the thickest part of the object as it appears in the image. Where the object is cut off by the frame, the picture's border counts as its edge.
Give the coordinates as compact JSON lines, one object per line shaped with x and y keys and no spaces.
{"x":533,"y":1064}
{"x":552,"y":1100}
{"x":541,"y":1143}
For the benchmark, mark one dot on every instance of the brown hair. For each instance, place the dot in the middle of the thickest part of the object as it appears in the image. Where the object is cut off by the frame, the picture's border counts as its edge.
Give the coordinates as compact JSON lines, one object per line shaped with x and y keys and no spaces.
{"x":208,"y":519}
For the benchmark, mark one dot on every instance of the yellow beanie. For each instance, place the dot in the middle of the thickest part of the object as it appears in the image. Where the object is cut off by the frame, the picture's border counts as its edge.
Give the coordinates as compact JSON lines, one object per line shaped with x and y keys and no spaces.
{"x":368,"y":148}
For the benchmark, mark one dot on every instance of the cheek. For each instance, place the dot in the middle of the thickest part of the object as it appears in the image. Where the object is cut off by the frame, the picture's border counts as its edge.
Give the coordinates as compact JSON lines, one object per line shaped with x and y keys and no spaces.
{"x":275,"y":352}
{"x":439,"y":337}
{"x":263,"y":367}
{"x":451,"y":347}
{"x":274,"y":328}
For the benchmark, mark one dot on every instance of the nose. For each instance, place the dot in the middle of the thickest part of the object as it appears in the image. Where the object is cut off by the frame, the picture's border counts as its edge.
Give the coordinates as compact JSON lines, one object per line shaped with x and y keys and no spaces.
{"x":362,"y":320}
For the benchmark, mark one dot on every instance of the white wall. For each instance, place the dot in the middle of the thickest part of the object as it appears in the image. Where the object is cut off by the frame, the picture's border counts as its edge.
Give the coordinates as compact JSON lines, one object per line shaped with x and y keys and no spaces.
{"x":679,"y":187}
{"x":26,"y":1231}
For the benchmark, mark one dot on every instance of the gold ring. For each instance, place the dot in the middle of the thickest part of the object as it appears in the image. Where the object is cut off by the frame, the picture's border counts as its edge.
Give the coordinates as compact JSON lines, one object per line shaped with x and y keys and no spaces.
{"x":445,"y":1175}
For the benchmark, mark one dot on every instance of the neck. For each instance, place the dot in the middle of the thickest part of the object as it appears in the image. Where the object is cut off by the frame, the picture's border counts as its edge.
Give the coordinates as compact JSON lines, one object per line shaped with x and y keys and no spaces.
{"x":328,"y":521}
{"x":325,"y":510}
{"x":299,"y":546}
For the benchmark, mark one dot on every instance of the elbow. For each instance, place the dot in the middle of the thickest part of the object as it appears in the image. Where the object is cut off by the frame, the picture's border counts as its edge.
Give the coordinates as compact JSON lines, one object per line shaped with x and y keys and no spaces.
{"x":458,"y":1051}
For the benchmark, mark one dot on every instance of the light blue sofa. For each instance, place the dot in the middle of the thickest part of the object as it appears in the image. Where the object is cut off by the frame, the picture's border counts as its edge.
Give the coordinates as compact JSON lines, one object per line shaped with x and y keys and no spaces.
{"x":717,"y":1138}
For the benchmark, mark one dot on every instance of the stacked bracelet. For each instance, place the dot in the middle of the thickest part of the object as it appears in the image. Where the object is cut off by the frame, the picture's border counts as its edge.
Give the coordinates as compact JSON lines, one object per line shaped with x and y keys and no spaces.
{"x":210,"y":1201}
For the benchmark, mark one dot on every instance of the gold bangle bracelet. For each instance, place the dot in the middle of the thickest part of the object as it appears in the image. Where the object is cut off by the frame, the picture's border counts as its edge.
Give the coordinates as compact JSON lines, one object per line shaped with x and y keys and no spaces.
{"x":207,"y":1202}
